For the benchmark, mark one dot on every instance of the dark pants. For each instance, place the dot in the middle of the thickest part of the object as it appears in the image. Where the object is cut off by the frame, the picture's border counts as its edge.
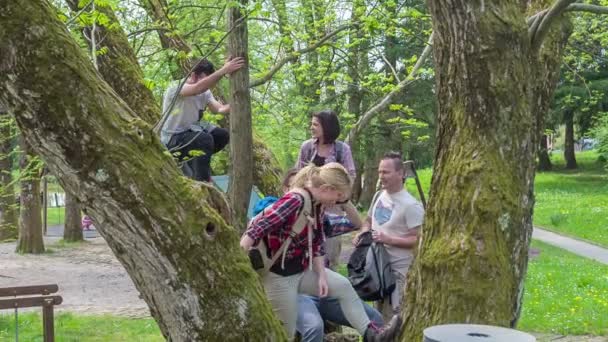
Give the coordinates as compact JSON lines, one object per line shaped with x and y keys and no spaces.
{"x":205,"y":144}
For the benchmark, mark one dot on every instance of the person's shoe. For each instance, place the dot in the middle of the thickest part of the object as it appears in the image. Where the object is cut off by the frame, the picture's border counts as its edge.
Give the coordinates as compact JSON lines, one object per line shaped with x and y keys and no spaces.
{"x":387,"y":333}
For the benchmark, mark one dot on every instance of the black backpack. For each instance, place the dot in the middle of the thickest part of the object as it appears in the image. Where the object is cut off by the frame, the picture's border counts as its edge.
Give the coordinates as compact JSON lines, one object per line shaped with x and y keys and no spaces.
{"x":369,"y":270}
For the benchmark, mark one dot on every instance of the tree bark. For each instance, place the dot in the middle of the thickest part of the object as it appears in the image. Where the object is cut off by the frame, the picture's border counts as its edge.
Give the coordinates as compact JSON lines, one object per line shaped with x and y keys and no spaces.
{"x":485,"y":158}
{"x":169,"y":233}
{"x":569,"y":154}
{"x":544,"y":162}
{"x":241,"y":144}
{"x":8,"y":207}
{"x":30,"y":219}
{"x":72,"y":231}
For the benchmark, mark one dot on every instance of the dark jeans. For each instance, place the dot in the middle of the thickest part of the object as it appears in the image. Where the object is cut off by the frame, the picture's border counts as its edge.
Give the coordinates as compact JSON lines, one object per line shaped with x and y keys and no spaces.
{"x":312,"y":311}
{"x":207,"y":143}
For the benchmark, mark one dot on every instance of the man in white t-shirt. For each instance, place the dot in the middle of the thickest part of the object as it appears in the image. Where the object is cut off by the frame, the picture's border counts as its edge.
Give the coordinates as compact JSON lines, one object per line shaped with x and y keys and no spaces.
{"x":182,"y":131}
{"x":394,"y":217}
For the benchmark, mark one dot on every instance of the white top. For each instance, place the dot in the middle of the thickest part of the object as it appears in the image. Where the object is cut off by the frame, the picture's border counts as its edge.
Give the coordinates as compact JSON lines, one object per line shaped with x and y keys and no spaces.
{"x":395,"y":214}
{"x":185,"y":112}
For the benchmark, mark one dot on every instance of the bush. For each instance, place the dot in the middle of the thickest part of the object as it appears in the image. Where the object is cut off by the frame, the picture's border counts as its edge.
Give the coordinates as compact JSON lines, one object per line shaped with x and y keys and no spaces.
{"x":600,"y":132}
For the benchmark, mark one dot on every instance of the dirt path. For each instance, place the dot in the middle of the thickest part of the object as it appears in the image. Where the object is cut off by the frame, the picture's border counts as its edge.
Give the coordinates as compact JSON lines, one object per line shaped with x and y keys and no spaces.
{"x":90,"y":278}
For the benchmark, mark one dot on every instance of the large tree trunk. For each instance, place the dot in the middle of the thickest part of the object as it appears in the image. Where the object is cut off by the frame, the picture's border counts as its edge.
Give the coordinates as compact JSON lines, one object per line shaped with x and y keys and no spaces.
{"x":169,"y":233}
{"x":485,"y":159}
{"x":569,"y":154}
{"x":30,"y":219}
{"x":241,"y":139}
{"x":544,"y":162}
{"x":72,"y":231}
{"x":8,"y":207}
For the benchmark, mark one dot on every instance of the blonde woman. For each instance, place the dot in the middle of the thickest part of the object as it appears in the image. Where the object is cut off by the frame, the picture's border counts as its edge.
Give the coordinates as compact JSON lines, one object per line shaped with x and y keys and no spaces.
{"x":302,"y":268}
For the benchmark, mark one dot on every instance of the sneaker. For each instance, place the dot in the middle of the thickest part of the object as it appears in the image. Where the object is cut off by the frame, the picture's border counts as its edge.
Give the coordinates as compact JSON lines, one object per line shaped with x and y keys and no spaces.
{"x":387,"y":333}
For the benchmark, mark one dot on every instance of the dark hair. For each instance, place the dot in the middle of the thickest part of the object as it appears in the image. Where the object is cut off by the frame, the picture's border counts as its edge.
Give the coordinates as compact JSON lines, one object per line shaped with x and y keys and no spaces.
{"x":288,"y":176}
{"x":396,"y":158}
{"x":204,"y":66}
{"x":330,"y":124}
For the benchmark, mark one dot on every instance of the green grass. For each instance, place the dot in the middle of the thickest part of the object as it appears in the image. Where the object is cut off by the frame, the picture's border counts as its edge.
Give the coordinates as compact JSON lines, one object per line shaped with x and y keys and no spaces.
{"x":76,"y":328}
{"x":565,"y":294}
{"x":55,"y":216}
{"x":574,"y":202}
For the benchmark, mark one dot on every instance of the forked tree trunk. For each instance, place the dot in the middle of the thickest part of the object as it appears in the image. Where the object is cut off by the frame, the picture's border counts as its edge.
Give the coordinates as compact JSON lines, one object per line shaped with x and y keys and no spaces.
{"x":569,"y":154}
{"x":169,"y":233}
{"x":8,"y":207}
{"x":30,"y":218}
{"x":72,"y":231}
{"x":486,"y":143}
{"x":241,"y":144}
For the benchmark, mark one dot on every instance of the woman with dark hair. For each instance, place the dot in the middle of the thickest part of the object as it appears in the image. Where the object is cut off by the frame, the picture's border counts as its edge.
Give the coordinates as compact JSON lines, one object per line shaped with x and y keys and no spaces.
{"x":324,"y":147}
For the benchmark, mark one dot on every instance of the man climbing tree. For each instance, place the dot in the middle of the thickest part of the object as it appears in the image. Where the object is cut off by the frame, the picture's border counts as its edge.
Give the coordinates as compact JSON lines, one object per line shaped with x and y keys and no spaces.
{"x":182,"y":108}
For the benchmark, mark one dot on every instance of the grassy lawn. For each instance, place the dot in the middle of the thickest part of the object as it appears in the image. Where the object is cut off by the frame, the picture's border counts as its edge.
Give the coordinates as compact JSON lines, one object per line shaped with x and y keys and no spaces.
{"x":76,"y":328}
{"x":565,"y":294}
{"x":571,"y":202}
{"x":574,"y":202}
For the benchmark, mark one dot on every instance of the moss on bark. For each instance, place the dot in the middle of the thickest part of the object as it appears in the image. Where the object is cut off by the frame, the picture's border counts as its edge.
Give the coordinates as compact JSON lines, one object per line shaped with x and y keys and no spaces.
{"x":171,"y":237}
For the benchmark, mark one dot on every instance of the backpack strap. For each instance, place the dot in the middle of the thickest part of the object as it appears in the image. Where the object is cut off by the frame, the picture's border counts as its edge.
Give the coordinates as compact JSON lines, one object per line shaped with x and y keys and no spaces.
{"x":375,"y":198}
{"x":339,"y":151}
{"x":305,"y":216}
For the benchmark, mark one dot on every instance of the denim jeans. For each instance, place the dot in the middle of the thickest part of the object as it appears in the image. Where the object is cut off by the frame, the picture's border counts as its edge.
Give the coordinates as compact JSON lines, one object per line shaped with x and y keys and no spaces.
{"x":312,"y":311}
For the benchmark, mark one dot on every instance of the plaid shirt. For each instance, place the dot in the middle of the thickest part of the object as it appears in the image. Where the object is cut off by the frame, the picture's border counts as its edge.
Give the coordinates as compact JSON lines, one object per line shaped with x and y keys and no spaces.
{"x":275,"y":224}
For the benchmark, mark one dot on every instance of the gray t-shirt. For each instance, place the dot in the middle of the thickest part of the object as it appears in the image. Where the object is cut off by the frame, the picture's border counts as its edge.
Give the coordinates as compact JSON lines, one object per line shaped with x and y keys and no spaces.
{"x":185,"y":112}
{"x":395,"y":214}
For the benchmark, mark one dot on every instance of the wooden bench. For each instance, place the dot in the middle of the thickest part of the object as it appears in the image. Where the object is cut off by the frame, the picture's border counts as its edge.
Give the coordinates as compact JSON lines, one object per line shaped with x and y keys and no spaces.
{"x":32,"y":296}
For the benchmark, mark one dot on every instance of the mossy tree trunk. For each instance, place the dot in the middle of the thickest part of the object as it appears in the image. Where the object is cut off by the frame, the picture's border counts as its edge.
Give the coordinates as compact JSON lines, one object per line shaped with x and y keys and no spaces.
{"x":30,"y":219}
{"x":241,"y":144}
{"x":487,"y":138}
{"x":8,"y":207}
{"x":72,"y":231}
{"x":169,"y":233}
{"x":569,"y":155}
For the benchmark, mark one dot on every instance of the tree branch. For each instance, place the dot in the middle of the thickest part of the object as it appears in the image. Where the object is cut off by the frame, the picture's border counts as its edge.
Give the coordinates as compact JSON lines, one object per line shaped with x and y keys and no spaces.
{"x":386,"y":101}
{"x":548,"y":18}
{"x":295,"y":55}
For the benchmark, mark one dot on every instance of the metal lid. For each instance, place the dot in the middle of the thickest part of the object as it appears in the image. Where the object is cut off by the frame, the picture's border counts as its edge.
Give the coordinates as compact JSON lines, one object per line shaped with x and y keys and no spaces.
{"x":474,"y":333}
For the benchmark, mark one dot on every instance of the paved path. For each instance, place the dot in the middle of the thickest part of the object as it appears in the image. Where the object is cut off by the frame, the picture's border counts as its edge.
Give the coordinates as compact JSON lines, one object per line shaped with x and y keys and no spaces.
{"x":57,"y":231}
{"x":579,"y":247}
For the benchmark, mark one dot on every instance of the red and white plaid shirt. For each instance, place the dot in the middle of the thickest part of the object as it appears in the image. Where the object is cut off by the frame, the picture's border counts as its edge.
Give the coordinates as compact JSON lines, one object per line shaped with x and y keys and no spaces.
{"x":275,"y":224}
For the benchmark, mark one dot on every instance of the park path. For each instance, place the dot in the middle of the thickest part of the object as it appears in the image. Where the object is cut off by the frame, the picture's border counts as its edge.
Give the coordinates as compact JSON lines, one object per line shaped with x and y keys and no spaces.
{"x":585,"y":249}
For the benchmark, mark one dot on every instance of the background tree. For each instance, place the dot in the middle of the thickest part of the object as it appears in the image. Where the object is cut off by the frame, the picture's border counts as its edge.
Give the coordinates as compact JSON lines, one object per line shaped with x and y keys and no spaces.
{"x":8,"y":207}
{"x":72,"y":230}
{"x":241,"y":144}
{"x":30,"y":219}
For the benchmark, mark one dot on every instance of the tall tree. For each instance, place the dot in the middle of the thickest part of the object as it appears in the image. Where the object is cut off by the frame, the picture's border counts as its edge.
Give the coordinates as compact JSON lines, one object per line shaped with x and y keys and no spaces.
{"x":490,"y":72}
{"x":8,"y":207}
{"x":241,"y":144}
{"x":72,"y":231}
{"x":30,"y":219}
{"x":170,"y":234}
